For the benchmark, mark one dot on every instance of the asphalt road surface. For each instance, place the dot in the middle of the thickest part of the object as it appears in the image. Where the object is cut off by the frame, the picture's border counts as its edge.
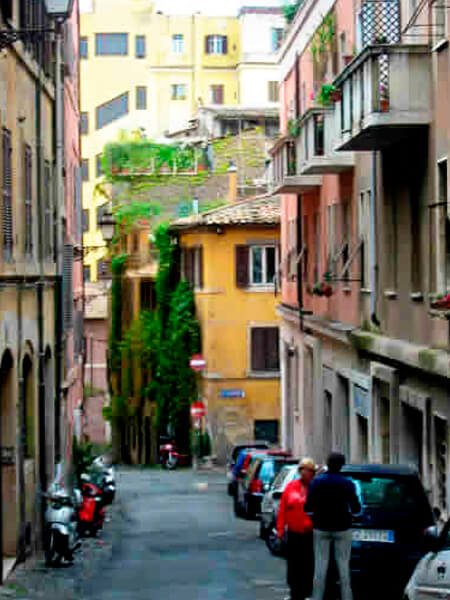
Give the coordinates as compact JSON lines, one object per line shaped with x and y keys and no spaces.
{"x":172,"y":536}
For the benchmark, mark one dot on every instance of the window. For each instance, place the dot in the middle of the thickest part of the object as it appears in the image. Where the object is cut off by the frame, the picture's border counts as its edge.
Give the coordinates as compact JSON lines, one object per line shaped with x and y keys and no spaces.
{"x":103,"y":269}
{"x":140,"y":46}
{"x":7,"y":216}
{"x":98,"y":165}
{"x":273,"y":91}
{"x":364,"y":234}
{"x":179,"y":91}
{"x":445,"y":221}
{"x":192,"y":265}
{"x":87,"y":273}
{"x":277,"y":37}
{"x":262,"y":265}
{"x":177,"y":44}
{"x":216,"y":44}
{"x":85,"y":221}
{"x":112,"y":110}
{"x":111,"y":44}
{"x":85,"y":169}
{"x":141,"y":98}
{"x":83,"y":47}
{"x":216,"y":94}
{"x":265,"y":349}
{"x":28,"y":167}
{"x":48,"y":241}
{"x":84,"y":123}
{"x":148,"y":295}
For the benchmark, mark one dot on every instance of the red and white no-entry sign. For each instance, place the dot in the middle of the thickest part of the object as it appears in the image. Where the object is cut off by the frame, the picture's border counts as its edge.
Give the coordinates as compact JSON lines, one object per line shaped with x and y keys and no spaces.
{"x":197,"y":362}
{"x":198,"y":410}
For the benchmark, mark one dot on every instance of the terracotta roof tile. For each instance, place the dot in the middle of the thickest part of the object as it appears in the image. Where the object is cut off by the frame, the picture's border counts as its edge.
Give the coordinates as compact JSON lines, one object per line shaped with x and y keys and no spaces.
{"x":252,"y":211}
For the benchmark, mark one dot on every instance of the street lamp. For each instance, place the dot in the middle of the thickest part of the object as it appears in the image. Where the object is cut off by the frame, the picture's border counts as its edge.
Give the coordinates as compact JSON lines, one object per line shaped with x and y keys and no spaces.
{"x":59,"y":10}
{"x":106,"y":224}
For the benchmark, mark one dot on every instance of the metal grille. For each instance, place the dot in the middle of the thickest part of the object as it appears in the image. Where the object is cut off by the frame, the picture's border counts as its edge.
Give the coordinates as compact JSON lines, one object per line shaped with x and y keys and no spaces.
{"x":7,"y":217}
{"x":380,"y":22}
{"x":383,"y":76}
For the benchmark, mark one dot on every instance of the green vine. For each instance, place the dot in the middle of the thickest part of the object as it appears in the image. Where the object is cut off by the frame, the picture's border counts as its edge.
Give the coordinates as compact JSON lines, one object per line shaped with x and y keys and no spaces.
{"x":324,"y":36}
{"x":290,"y":10}
{"x":294,"y":127}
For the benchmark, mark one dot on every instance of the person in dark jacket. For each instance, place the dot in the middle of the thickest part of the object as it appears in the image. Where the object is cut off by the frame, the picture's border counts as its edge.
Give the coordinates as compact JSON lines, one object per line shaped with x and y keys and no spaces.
{"x":293,"y":519}
{"x":333,"y":502}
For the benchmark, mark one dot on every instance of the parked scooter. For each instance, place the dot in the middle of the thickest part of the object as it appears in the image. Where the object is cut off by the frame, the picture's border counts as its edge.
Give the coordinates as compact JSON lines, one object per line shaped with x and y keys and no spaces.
{"x":168,"y":456}
{"x":92,"y":512}
{"x":61,"y":534}
{"x":103,"y":476}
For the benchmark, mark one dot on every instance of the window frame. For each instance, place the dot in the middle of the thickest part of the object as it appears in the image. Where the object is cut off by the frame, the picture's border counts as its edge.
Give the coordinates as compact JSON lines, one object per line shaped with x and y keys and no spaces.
{"x":175,"y":89}
{"x":264,"y":283}
{"x":141,"y":89}
{"x":84,"y":47}
{"x":178,"y":43}
{"x":111,"y":35}
{"x":84,"y":170}
{"x":126,"y":97}
{"x":216,"y":45}
{"x":264,"y":372}
{"x":273,"y":91}
{"x":277,"y":34}
{"x":216,"y":93}
{"x":28,"y":200}
{"x":140,"y":46}
{"x":84,"y":123}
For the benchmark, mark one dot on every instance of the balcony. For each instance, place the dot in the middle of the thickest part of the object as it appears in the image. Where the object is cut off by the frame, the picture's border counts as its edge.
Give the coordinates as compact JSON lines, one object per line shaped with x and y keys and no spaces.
{"x":286,"y":174}
{"x":319,"y":135}
{"x":385,"y":96}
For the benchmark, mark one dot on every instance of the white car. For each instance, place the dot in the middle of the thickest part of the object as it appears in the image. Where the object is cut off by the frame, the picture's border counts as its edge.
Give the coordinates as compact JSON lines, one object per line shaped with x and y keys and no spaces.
{"x":431,"y":577}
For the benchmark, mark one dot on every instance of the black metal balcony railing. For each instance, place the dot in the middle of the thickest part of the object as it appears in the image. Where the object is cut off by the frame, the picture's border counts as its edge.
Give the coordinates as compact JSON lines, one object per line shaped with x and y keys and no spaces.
{"x":380,"y":22}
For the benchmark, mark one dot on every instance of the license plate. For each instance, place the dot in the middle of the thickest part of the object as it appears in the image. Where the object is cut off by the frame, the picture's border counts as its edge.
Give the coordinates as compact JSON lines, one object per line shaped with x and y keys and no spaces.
{"x":373,"y":535}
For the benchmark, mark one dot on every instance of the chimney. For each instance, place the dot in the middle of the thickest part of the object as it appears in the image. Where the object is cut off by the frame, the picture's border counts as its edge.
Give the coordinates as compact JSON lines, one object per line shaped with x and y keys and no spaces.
{"x":232,"y":182}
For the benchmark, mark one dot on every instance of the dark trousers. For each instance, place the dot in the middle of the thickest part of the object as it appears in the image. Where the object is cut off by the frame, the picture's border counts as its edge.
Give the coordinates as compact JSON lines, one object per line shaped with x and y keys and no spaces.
{"x":300,"y":564}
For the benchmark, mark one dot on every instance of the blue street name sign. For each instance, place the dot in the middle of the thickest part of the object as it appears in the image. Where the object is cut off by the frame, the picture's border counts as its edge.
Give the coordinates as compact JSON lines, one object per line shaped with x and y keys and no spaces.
{"x":232,"y":394}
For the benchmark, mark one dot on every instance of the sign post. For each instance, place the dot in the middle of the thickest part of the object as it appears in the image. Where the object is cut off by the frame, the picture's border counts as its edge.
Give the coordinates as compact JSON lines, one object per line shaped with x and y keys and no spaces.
{"x":198,"y":411}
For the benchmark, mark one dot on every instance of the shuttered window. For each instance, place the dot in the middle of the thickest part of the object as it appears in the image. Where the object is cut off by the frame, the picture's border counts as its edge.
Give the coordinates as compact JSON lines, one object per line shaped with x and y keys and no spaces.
{"x":216,"y":44}
{"x":217,"y":94}
{"x":111,"y":44}
{"x":140,"y":46}
{"x":192,"y":265}
{"x":84,"y":123}
{"x":265,"y":355}
{"x":242,"y":264}
{"x":7,"y":216}
{"x":68,"y":286}
{"x":85,"y":221}
{"x":48,"y":246}
{"x":83,"y":47}
{"x":85,"y":169}
{"x":141,"y":98}
{"x":28,"y":170}
{"x":273,"y":91}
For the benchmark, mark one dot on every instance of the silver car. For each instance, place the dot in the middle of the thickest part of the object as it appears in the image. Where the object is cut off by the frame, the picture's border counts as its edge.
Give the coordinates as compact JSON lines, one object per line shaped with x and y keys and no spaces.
{"x":269,"y":508}
{"x":431,"y":577}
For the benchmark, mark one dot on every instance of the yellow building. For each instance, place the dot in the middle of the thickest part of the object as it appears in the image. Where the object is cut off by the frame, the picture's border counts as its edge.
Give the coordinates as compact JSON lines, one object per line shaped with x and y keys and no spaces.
{"x":145,"y":71}
{"x":229,"y":255}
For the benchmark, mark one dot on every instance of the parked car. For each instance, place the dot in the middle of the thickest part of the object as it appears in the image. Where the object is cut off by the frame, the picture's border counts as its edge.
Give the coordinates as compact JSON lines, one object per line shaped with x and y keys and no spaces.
{"x":235,"y":454}
{"x":269,"y":508}
{"x":431,"y":577}
{"x":389,"y":538}
{"x":256,"y":481}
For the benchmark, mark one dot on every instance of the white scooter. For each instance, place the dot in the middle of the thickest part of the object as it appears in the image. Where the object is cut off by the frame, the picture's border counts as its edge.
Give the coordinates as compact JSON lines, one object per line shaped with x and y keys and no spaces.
{"x":105,"y":478}
{"x":61,"y":525}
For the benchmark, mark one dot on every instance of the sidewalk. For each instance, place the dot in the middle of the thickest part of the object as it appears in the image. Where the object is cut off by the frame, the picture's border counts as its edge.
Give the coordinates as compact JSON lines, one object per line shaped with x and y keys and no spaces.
{"x":33,"y":580}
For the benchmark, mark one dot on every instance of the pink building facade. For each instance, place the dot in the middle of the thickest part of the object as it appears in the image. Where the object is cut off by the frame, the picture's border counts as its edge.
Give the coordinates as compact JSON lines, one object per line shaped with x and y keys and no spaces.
{"x":72,"y":386}
{"x":362,"y":169}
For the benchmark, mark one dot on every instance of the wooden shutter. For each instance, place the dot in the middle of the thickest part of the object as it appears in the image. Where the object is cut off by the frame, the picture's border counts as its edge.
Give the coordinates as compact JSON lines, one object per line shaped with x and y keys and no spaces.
{"x":200,"y":266}
{"x":28,"y":202}
{"x":257,"y":348}
{"x":207,"y":38}
{"x":7,"y":217}
{"x":68,"y":286}
{"x":271,"y":349}
{"x":224,"y":44}
{"x":242,"y":257}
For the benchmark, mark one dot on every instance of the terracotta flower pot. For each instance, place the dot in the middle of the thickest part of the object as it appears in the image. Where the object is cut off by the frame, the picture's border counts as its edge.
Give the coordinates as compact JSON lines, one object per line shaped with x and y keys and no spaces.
{"x":336,"y":96}
{"x":384,"y":105}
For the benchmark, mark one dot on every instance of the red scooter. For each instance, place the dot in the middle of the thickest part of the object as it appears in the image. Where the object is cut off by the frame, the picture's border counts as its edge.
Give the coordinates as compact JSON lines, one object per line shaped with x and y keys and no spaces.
{"x":91,"y":515}
{"x":168,"y":456}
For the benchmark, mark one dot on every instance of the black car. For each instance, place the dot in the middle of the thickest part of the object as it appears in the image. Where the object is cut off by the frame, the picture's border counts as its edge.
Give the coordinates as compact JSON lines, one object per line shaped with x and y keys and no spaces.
{"x":389,"y":537}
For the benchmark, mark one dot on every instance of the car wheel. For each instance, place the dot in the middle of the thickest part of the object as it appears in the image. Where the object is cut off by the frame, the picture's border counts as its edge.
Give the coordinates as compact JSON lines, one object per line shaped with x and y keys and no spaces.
{"x":273,"y":542}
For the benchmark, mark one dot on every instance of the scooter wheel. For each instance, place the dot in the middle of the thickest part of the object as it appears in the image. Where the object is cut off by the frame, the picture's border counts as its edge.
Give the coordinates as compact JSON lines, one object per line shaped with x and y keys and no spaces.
{"x":52,"y":555}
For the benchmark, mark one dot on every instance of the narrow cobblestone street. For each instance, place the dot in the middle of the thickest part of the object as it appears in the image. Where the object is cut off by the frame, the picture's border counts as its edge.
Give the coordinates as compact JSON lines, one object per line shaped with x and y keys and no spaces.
{"x":172,"y":535}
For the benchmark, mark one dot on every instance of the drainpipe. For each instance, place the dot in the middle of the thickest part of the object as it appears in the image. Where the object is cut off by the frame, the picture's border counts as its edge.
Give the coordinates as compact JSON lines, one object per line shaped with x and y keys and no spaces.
{"x":300,"y":263}
{"x":40,"y":292}
{"x":373,"y":240}
{"x":59,"y":212}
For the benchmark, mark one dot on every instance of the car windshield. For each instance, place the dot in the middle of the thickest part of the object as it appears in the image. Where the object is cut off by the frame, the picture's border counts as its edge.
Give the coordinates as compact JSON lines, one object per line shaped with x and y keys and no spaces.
{"x":281,"y":478}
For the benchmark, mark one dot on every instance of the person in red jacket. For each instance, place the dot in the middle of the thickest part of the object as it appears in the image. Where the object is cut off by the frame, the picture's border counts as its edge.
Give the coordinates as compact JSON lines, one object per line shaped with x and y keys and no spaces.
{"x":292,"y":517}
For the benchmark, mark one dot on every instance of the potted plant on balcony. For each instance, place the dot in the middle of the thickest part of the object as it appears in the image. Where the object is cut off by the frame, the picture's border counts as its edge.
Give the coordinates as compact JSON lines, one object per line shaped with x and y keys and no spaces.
{"x":326,"y":94}
{"x":384,"y":97}
{"x":441,"y":302}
